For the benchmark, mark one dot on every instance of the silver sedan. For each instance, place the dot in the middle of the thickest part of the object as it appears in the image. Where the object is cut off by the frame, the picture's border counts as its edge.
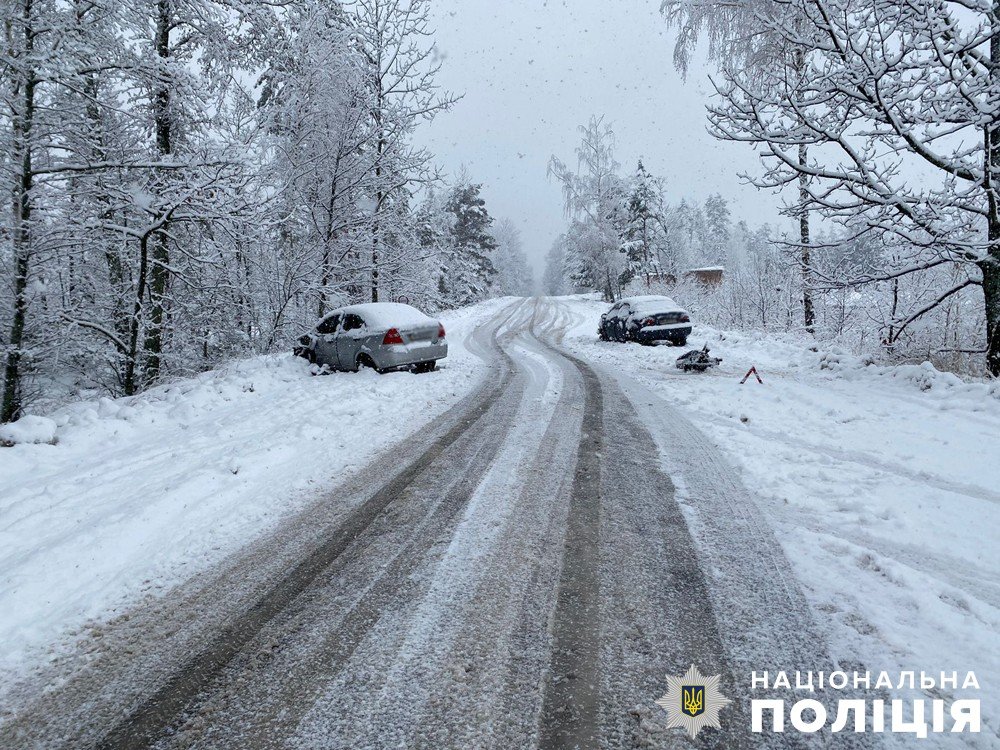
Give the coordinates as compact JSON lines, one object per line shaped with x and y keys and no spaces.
{"x":385,"y":336}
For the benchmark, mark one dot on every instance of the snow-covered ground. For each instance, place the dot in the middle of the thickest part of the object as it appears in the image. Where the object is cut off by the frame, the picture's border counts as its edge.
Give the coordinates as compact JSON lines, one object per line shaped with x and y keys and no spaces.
{"x":138,"y":494}
{"x":883,"y":485}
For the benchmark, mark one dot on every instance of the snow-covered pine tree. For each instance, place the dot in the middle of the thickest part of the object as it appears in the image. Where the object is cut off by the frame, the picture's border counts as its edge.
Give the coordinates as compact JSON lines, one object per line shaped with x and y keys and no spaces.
{"x":468,"y":272}
{"x":639,"y":226}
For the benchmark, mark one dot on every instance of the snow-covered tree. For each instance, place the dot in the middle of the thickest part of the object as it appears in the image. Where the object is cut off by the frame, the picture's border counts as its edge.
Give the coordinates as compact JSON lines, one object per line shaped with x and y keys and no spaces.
{"x":593,"y":199}
{"x":467,"y":269}
{"x":887,"y":91}
{"x":513,"y":274}
{"x":640,"y":212}
{"x":554,"y":275}
{"x":742,"y":36}
{"x":393,"y":39}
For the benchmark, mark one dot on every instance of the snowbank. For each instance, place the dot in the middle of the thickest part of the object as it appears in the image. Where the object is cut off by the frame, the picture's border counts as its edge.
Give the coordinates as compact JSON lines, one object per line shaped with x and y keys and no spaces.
{"x":29,"y":429}
{"x":139,"y":493}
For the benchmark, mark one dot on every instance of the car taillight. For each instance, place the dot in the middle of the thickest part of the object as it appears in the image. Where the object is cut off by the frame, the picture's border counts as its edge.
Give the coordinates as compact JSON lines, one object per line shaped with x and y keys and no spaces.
{"x":440,"y":330}
{"x":392,"y":337}
{"x":649,"y":322}
{"x":685,"y":318}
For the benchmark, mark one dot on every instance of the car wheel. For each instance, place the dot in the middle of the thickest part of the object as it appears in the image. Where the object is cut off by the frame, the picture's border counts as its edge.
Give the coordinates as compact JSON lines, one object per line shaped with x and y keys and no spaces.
{"x":681,"y":341}
{"x":305,"y":353}
{"x":365,"y":360}
{"x":422,"y":367}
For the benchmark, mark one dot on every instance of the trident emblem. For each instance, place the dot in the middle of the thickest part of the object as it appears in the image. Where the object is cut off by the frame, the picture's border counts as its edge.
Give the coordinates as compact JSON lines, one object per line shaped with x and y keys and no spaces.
{"x":693,"y":699}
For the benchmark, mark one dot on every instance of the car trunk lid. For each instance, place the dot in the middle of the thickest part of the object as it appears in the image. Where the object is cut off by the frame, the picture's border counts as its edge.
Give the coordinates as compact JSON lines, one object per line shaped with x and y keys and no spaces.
{"x":414,"y":334}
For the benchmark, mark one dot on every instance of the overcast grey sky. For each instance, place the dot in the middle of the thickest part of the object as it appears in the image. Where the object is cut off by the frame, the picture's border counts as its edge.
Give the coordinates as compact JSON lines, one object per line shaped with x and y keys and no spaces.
{"x":534,"y":70}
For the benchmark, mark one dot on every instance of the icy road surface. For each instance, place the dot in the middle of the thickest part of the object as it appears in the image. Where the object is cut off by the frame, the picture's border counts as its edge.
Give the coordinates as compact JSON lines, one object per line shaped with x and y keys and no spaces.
{"x":525,"y":572}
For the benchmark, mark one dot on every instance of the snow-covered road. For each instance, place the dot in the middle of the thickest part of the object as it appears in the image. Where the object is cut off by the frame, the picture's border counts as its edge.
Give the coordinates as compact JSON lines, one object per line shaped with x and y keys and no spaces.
{"x":528,"y":569}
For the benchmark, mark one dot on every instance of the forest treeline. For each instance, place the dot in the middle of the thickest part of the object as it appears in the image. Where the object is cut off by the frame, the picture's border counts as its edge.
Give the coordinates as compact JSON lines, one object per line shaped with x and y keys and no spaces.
{"x":196,"y":180}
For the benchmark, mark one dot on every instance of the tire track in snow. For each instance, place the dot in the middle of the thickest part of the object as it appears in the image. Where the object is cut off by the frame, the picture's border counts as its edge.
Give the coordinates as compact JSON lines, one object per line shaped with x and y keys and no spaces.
{"x":571,"y":700}
{"x":973,"y":491}
{"x":632,"y":603}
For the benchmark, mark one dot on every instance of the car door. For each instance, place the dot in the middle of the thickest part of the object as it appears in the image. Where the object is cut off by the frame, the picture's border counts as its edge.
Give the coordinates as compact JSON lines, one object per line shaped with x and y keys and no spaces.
{"x":621,"y":321}
{"x":608,"y":320}
{"x":350,"y":340}
{"x":625,"y":316}
{"x":326,"y":341}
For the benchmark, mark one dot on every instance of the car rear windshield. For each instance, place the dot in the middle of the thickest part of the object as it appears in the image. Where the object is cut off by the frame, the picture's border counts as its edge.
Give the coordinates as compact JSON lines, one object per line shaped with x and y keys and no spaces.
{"x":391,"y":315}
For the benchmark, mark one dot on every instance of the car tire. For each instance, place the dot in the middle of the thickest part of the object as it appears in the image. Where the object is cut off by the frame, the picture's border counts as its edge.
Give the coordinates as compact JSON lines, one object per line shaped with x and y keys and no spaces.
{"x":365,"y":360}
{"x":681,"y":341}
{"x":422,"y":367}
{"x":305,"y":353}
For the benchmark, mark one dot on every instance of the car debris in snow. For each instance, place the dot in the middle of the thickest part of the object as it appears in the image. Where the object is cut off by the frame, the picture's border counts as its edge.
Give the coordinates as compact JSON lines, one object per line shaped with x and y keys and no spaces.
{"x":697,"y":360}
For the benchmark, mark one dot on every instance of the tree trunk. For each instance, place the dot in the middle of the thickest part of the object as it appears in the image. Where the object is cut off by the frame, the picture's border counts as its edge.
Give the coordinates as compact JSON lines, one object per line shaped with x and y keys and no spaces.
{"x":990,"y":265}
{"x":10,"y":408}
{"x":117,"y":277}
{"x":805,"y":240}
{"x":160,"y":255}
{"x":328,"y":240}
{"x":991,"y":292}
{"x":379,"y":197}
{"x":891,"y":340}
{"x":129,"y":384}
{"x":375,"y":257}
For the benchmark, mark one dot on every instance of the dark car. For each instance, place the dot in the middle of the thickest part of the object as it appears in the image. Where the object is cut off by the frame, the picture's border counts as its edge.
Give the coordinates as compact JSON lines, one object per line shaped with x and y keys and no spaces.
{"x":648,"y":319}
